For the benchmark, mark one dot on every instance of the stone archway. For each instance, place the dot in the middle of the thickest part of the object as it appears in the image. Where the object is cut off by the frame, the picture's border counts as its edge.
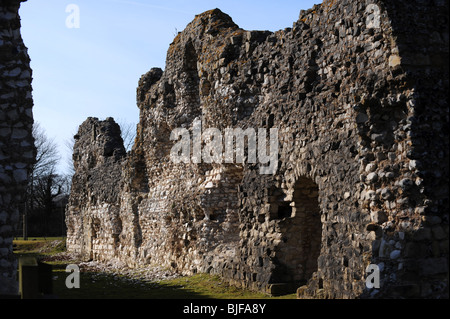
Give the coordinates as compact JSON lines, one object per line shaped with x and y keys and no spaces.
{"x":300,"y":224}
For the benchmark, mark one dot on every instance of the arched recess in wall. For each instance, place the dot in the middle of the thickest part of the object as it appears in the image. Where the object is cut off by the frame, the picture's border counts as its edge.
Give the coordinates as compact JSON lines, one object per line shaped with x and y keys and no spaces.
{"x":189,"y":90}
{"x":301,"y":232}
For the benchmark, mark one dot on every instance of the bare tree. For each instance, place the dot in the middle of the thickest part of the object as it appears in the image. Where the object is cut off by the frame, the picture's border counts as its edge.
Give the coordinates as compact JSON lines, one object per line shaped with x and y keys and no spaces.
{"x":44,"y":183}
{"x":69,"y":144}
{"x":47,"y":156}
{"x":128,"y":131}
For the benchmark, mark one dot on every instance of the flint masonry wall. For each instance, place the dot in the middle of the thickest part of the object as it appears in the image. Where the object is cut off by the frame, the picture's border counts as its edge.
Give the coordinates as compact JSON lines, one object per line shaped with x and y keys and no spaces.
{"x":98,"y":154}
{"x":357,"y":90}
{"x":16,"y":143}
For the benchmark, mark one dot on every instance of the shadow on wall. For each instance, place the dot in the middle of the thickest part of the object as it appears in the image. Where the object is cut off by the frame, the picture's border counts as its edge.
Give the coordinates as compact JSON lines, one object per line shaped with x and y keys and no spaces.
{"x":410,"y":221}
{"x":301,"y":232}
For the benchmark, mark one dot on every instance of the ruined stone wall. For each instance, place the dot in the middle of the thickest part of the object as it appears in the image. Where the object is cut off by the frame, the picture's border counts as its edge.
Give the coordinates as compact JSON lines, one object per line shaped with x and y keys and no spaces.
{"x":16,"y":142}
{"x":357,"y":91}
{"x":92,"y":228}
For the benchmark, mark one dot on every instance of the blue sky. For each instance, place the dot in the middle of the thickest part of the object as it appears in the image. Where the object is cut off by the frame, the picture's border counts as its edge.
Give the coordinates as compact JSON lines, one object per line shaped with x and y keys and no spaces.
{"x":94,"y":70}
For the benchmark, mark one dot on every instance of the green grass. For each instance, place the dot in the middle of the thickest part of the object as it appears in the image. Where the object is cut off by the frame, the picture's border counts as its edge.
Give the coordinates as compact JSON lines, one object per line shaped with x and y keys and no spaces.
{"x":96,"y":285}
{"x":39,"y":247}
{"x":99,"y":286}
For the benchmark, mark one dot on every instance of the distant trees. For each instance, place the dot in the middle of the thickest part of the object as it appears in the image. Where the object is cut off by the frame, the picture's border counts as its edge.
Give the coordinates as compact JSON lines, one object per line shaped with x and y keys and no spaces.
{"x":47,"y":190}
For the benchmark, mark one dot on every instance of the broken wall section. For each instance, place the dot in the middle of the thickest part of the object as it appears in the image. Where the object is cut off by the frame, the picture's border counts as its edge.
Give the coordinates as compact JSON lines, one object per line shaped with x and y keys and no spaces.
{"x":93,"y":225}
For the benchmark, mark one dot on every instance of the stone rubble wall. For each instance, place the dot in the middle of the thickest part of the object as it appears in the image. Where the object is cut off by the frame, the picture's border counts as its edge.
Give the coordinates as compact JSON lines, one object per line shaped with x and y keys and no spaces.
{"x":357,"y":90}
{"x":92,"y":228}
{"x":17,"y":150}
